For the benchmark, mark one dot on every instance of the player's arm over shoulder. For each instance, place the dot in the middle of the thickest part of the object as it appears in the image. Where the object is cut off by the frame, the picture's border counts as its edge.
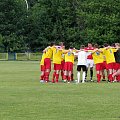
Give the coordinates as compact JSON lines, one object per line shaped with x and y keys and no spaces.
{"x":65,"y":51}
{"x":46,"y":49}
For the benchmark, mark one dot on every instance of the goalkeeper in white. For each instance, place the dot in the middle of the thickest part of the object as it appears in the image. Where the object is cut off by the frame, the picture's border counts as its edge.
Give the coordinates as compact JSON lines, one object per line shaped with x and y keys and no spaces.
{"x":82,"y":63}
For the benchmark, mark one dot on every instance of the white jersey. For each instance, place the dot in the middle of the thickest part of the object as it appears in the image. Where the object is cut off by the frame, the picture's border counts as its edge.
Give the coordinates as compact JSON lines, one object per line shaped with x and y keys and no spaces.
{"x":82,"y":58}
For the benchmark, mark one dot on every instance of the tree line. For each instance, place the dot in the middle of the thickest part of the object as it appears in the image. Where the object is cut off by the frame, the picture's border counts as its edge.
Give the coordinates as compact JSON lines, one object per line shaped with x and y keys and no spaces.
{"x":74,"y":22}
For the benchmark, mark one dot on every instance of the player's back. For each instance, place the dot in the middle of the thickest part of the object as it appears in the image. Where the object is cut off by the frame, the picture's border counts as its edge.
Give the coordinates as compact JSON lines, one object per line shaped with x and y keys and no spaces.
{"x":69,"y":57}
{"x":109,"y":54}
{"x":49,"y":52}
{"x":57,"y":55}
{"x":42,"y":59}
{"x":98,"y":57}
{"x":82,"y":58}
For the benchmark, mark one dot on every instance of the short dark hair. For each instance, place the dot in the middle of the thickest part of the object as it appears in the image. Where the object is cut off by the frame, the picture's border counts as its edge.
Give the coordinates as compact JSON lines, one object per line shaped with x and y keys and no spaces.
{"x":82,"y":46}
{"x":106,"y":44}
{"x":52,"y":43}
{"x":113,"y":44}
{"x":71,"y":47}
{"x":96,"y":46}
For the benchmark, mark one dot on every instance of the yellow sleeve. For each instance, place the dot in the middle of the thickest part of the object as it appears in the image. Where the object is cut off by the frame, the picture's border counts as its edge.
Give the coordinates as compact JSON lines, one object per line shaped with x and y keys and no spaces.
{"x":65,"y":51}
{"x":114,"y":49}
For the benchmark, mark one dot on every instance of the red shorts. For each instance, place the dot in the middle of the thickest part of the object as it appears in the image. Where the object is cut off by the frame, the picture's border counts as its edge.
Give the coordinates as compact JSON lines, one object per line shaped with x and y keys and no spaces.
{"x":99,"y":66}
{"x":57,"y":66}
{"x":104,"y":65}
{"x":110,"y":66}
{"x":117,"y":66}
{"x":42,"y":67}
{"x":62,"y":65}
{"x":68,"y":66}
{"x":47,"y":63}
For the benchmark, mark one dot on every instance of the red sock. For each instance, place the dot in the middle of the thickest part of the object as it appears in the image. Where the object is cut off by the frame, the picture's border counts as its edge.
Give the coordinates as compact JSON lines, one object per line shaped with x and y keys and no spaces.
{"x":57,"y":77}
{"x":118,"y":78}
{"x":110,"y":77}
{"x":54,"y":74}
{"x":47,"y":76}
{"x":98,"y":78}
{"x":69,"y":78}
{"x":42,"y":77}
{"x":65,"y":77}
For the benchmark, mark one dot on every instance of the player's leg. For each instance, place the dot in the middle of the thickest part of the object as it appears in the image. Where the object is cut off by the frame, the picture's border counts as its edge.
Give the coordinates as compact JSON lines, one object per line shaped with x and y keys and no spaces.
{"x":103,"y":71}
{"x":98,"y":76}
{"x":91,"y":69}
{"x":47,"y":72}
{"x":65,"y":75}
{"x":42,"y":76}
{"x":57,"y":75}
{"x":118,"y":78}
{"x":111,"y":70}
{"x":54,"y":73}
{"x":87,"y":67}
{"x":103,"y":75}
{"x":72,"y":77}
{"x":70,"y":70}
{"x":58,"y":69}
{"x":115,"y":70}
{"x":83,"y":74}
{"x":107,"y":71}
{"x":65,"y":71}
{"x":99,"y":69}
{"x":116,"y":73}
{"x":78,"y":73}
{"x":91,"y":73}
{"x":110,"y":75}
{"x":69,"y":76}
{"x":47,"y":63}
{"x":62,"y":69}
{"x":62,"y":74}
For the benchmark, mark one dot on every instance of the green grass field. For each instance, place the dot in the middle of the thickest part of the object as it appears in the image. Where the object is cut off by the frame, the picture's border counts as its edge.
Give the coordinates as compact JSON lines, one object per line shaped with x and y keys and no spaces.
{"x":22,"y":97}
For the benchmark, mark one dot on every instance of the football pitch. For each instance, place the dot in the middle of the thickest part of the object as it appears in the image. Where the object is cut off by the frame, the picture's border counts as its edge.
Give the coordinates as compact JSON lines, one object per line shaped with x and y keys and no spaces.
{"x":23,"y":97}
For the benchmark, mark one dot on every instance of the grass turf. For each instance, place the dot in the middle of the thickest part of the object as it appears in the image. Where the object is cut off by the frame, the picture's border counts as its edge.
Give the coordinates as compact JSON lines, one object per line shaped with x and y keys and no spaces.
{"x":22,"y":97}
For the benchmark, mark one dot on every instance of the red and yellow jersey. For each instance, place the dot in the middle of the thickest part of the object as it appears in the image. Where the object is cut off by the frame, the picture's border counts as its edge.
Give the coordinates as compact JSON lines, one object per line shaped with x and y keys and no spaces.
{"x":103,"y":53}
{"x":48,"y":52}
{"x":42,"y":59}
{"x":63,"y":54}
{"x":109,"y":54}
{"x":97,"y":57}
{"x":63,"y":57}
{"x":69,"y":57}
{"x":57,"y":55}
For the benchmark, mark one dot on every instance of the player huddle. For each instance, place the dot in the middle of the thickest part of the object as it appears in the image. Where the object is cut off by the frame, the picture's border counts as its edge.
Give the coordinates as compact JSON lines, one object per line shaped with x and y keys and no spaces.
{"x":106,"y":58}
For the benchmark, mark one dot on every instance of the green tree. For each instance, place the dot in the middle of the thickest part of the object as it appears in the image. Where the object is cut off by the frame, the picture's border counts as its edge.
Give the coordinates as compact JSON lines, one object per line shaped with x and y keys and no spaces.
{"x":102,"y":20}
{"x":11,"y":14}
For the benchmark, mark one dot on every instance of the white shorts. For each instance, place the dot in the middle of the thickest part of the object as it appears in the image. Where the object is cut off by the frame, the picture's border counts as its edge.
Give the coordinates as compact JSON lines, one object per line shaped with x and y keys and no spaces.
{"x":90,"y":63}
